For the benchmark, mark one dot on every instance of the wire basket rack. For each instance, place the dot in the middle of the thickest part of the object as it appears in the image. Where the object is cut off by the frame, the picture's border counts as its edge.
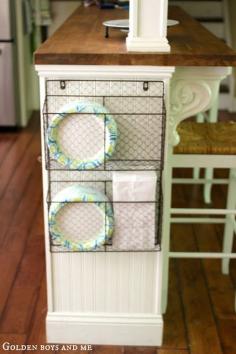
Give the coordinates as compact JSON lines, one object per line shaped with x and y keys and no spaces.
{"x":139,"y":112}
{"x":137,"y":224}
{"x":137,"y":108}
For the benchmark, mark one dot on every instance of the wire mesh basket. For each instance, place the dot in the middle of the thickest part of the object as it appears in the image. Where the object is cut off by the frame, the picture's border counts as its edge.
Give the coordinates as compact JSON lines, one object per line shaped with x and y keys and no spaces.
{"x":136,"y":225}
{"x":136,"y":107}
{"x":126,"y":134}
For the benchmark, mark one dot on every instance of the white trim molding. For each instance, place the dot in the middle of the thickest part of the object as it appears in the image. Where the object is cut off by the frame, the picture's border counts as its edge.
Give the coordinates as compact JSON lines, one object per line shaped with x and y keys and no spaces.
{"x":110,"y":329}
{"x":116,"y":72}
{"x":137,"y":44}
{"x":148,"y":26}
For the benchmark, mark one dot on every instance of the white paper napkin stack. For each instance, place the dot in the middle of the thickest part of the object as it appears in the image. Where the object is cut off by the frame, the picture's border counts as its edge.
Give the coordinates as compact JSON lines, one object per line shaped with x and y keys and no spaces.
{"x":134,"y":196}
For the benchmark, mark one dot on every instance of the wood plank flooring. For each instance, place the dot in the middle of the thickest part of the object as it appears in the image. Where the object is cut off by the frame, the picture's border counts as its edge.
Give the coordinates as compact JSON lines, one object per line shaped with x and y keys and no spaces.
{"x":200,"y":318}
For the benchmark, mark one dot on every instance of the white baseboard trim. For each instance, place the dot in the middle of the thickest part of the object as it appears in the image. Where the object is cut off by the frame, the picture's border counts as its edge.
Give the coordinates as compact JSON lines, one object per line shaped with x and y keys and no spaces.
{"x":104,"y":329}
{"x":147,"y":45}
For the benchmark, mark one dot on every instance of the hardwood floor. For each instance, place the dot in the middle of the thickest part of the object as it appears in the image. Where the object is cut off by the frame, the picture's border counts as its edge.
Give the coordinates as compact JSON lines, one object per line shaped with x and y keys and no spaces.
{"x":200,"y":317}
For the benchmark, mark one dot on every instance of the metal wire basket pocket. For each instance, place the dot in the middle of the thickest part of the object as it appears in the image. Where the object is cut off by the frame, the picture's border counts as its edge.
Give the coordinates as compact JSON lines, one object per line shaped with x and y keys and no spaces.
{"x":92,"y":128}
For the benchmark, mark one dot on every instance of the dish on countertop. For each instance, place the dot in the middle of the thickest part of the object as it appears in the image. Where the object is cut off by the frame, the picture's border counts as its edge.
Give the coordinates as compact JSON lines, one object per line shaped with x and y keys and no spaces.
{"x":123,"y":24}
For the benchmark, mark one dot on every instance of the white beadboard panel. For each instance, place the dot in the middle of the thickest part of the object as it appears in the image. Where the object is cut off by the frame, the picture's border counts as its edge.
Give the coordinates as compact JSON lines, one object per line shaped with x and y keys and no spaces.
{"x":106,"y":282}
{"x":201,"y":9}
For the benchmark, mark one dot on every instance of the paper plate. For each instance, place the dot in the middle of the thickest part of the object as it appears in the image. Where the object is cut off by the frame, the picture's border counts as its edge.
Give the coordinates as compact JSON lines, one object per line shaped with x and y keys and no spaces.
{"x":81,"y":196}
{"x":124,"y":24}
{"x":171,"y":23}
{"x":101,"y":117}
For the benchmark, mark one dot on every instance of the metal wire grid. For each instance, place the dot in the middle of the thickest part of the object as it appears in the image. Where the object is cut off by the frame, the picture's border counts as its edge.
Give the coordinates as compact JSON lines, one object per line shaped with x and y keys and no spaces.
{"x":137,"y":224}
{"x":135,"y":87}
{"x":138,"y":111}
{"x":144,"y":118}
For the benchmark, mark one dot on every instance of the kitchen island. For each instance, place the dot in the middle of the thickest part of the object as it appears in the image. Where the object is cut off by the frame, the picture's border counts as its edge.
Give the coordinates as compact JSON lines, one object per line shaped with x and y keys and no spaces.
{"x":118,"y":297}
{"x":81,"y":41}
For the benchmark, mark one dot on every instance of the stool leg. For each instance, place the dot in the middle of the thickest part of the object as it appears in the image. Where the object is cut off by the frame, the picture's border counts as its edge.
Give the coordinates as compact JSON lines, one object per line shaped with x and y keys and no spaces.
{"x":211,"y":117}
{"x":209,"y":172}
{"x":200,"y":118}
{"x":196,"y":171}
{"x":229,"y":229}
{"x":165,"y":245}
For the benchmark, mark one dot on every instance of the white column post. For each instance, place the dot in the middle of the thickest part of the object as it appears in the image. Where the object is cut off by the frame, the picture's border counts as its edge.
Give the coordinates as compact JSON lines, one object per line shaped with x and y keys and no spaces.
{"x":148,"y":26}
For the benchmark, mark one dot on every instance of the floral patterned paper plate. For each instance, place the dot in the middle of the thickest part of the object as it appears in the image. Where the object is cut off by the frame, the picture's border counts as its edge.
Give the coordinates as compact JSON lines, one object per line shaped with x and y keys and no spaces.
{"x":80,"y":194}
{"x":99,"y":113}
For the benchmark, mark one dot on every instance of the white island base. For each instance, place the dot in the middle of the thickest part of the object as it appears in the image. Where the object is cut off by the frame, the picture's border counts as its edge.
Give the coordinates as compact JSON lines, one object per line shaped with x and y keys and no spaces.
{"x":106,"y":298}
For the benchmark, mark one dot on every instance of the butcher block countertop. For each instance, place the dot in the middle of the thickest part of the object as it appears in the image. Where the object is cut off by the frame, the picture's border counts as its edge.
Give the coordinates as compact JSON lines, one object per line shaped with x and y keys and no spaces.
{"x":80,"y":41}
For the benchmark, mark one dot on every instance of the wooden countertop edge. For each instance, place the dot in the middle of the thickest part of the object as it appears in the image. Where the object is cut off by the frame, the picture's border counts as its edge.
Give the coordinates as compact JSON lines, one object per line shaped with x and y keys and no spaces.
{"x":136,"y":59}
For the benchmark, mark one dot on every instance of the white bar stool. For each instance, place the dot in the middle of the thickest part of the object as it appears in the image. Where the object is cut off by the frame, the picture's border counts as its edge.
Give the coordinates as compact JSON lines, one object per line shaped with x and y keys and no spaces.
{"x":205,"y":145}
